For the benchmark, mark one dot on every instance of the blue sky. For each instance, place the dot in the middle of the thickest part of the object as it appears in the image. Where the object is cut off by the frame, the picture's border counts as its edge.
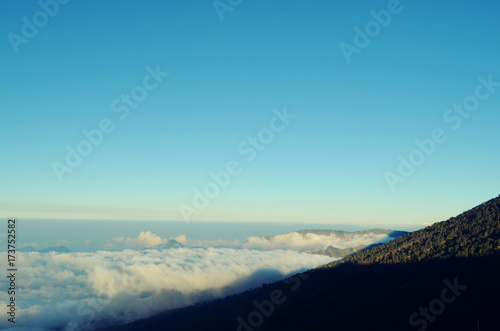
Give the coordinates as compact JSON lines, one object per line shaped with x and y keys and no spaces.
{"x":328,"y":165}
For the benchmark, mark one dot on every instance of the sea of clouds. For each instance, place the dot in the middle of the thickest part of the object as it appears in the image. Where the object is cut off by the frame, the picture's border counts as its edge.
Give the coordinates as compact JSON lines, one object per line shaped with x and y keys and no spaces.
{"x":131,"y":278}
{"x":83,"y":289}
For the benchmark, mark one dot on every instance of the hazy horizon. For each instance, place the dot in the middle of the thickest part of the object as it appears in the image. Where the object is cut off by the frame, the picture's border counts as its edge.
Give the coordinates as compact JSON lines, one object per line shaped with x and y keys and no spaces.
{"x":85,"y":235}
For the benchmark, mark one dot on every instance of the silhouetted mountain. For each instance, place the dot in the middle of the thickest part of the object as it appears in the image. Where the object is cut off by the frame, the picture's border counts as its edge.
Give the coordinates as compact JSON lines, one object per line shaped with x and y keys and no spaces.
{"x":171,"y":243}
{"x":27,"y":249}
{"x":443,"y":277}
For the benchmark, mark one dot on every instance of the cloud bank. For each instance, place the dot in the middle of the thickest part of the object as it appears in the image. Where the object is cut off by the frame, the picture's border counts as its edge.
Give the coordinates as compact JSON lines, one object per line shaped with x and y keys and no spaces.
{"x":80,"y":290}
{"x":312,"y":241}
{"x":297,"y":241}
{"x":144,"y":240}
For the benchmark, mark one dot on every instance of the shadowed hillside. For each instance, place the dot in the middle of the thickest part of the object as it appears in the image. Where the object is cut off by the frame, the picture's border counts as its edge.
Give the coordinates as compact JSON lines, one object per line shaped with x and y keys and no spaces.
{"x":444,"y":277}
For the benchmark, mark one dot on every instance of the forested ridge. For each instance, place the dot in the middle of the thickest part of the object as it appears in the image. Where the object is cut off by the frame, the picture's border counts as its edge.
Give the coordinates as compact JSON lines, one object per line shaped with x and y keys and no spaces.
{"x":473,"y":233}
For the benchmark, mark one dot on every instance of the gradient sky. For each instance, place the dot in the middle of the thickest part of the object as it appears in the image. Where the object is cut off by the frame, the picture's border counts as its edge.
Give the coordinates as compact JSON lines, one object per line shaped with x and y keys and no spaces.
{"x":327,"y":166}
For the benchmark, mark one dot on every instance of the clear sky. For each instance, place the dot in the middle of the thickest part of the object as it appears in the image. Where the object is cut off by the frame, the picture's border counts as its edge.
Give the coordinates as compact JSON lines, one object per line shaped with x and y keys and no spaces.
{"x":360,"y":100}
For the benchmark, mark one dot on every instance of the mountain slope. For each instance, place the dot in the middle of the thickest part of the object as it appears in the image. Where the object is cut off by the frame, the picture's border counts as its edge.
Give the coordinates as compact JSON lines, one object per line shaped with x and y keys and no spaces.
{"x":444,"y":277}
{"x":473,"y":233}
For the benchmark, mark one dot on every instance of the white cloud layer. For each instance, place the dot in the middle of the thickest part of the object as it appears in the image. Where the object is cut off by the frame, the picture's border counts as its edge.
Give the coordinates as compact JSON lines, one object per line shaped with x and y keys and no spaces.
{"x":296,"y":241}
{"x":81,"y":289}
{"x":311,"y":241}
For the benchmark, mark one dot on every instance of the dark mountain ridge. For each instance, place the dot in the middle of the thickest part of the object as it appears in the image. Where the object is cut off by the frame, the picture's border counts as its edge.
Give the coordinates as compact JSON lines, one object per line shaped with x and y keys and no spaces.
{"x":443,"y":277}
